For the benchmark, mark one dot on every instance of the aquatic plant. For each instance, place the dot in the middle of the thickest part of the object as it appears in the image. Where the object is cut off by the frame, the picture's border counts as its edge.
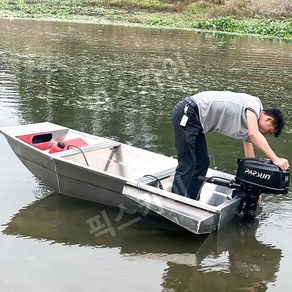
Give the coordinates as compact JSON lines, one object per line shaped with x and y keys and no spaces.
{"x":266,"y":17}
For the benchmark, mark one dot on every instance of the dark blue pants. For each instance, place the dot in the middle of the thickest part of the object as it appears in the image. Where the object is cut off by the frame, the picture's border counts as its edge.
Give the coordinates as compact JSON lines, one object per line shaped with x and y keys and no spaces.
{"x":191,"y":148}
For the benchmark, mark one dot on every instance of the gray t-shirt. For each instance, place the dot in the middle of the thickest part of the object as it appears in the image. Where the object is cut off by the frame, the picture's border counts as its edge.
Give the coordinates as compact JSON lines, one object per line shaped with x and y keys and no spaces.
{"x":225,"y":112}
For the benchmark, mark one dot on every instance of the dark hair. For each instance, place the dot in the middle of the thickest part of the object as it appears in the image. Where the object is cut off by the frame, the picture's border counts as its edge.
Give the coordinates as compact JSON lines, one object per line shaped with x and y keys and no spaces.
{"x":278,"y":119}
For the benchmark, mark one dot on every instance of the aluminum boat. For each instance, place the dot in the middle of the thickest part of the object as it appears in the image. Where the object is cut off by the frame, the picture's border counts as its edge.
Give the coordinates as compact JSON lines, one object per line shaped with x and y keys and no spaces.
{"x":102,"y":170}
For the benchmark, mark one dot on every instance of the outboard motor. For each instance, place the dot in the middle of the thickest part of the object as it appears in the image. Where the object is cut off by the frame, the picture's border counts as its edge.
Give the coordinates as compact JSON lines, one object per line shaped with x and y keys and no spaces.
{"x":254,"y":176}
{"x":262,"y":174}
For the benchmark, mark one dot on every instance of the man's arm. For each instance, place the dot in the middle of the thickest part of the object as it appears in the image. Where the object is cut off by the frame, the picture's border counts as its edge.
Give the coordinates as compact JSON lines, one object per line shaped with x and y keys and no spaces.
{"x":261,"y":142}
{"x":248,"y":149}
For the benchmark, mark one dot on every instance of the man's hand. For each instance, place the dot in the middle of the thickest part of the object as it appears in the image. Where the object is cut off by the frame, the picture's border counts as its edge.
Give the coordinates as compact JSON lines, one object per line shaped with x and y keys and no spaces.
{"x":282,"y":163}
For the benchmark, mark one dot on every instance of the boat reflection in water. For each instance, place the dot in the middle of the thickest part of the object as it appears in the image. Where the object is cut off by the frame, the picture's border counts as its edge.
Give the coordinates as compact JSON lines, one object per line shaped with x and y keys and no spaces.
{"x":226,"y":260}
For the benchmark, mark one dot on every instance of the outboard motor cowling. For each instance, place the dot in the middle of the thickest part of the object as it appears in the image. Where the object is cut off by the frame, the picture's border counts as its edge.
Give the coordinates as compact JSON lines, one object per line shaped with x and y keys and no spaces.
{"x":254,"y":176}
{"x":263,"y":175}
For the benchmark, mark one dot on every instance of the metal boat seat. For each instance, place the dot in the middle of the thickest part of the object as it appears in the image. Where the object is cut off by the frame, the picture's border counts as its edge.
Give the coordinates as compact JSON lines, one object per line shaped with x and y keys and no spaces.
{"x":96,"y":146}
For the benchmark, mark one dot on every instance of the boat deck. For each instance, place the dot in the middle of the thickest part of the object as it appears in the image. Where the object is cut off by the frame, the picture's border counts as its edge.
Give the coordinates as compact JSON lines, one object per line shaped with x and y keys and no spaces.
{"x":122,"y":160}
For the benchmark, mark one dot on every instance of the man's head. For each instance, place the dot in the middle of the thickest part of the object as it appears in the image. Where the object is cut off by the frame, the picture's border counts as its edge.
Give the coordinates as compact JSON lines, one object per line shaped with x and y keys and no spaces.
{"x":271,"y":121}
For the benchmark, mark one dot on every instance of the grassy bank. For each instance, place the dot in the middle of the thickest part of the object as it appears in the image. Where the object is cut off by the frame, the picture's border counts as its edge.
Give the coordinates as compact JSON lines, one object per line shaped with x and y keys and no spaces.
{"x":265,"y":17}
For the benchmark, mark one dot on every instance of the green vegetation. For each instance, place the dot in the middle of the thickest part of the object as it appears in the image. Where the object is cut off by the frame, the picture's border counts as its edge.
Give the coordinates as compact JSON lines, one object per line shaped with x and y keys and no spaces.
{"x":265,"y":17}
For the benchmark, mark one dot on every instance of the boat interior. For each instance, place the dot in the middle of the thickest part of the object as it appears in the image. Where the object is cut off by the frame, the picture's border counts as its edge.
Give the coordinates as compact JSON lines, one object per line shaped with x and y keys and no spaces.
{"x":102,"y":154}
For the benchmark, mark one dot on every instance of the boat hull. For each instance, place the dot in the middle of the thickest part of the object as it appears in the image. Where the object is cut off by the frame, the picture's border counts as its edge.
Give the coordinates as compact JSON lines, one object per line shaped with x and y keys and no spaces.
{"x":37,"y":163}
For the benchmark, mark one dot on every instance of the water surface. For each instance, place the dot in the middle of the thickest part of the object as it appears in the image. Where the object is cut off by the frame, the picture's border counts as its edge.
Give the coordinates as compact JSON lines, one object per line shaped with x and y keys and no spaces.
{"x":122,"y":83}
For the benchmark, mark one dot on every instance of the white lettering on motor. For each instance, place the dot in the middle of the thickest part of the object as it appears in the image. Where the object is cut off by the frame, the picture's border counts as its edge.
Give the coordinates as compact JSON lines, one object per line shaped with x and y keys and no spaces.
{"x":256,"y":173}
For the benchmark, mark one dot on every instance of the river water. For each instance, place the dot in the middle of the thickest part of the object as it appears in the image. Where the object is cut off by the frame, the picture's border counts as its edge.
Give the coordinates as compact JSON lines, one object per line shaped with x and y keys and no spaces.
{"x":122,"y":83}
